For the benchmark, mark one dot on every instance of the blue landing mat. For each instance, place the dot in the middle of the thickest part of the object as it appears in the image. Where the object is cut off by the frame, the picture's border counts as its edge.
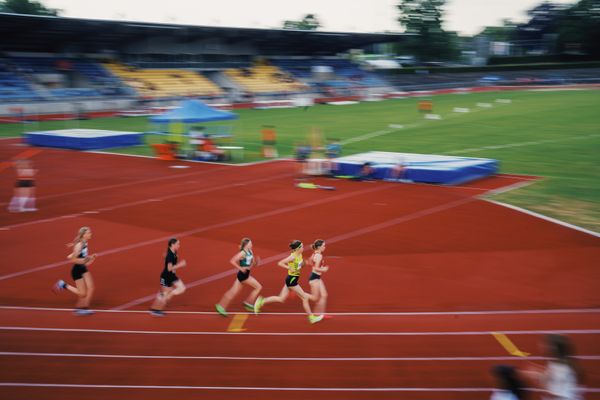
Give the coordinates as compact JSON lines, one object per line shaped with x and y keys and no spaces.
{"x":427,"y":168}
{"x":84,"y":139}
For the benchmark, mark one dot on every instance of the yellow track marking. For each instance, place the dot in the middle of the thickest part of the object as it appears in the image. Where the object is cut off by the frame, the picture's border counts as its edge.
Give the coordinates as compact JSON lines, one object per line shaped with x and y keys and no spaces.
{"x":237,"y":323}
{"x":508,"y":345}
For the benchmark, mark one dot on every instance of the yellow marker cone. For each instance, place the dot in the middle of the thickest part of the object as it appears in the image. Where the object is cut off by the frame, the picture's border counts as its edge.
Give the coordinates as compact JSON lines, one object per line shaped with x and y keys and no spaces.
{"x":508,"y":345}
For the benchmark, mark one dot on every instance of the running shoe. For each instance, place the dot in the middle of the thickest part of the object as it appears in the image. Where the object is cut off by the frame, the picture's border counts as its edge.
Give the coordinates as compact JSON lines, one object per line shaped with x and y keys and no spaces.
{"x":221,"y":310}
{"x":157,"y":313}
{"x":258,"y":304}
{"x":83,"y":311}
{"x":313,"y":319}
{"x":248,"y":306}
{"x":60,"y":285}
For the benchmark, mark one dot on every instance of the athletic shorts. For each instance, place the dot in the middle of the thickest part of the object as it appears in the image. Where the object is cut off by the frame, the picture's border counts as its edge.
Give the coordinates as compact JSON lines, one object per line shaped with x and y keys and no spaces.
{"x":291,"y":281}
{"x":78,"y":271}
{"x":242,"y":276}
{"x":167,"y":279}
{"x":314,"y":276}
{"x":24,"y":183}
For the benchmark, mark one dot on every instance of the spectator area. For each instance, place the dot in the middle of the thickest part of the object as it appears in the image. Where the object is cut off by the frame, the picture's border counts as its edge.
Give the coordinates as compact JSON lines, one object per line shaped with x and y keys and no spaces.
{"x":31,"y":78}
{"x":164,"y":82}
{"x":343,"y":72}
{"x":14,"y":87}
{"x":264,"y":79}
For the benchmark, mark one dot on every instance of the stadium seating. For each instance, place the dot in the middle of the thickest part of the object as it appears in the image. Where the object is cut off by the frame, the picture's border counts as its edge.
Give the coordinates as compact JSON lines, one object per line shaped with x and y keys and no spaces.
{"x":13,"y":87}
{"x":264,"y":79}
{"x":31,"y":78}
{"x":74,"y":92}
{"x":96,"y":73}
{"x":343,"y":71}
{"x":88,"y":72}
{"x":164,"y":82}
{"x":35,"y":65}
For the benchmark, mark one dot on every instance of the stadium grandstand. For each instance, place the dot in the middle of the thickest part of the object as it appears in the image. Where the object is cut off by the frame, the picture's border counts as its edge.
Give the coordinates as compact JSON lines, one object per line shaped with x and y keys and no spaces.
{"x":164,"y":82}
{"x":107,"y":66}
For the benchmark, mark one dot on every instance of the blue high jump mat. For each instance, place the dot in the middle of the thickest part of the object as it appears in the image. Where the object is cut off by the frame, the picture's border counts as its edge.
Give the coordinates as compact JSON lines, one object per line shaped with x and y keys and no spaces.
{"x":426,"y":168}
{"x":84,"y":139}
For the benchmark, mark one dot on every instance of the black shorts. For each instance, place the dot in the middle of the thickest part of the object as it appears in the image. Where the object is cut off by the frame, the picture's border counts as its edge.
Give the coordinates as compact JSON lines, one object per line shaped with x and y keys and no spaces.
{"x":77,"y":271}
{"x":24,"y":183}
{"x":168,"y":279}
{"x":242,"y":276}
{"x":291,"y":281}
{"x":314,"y":276}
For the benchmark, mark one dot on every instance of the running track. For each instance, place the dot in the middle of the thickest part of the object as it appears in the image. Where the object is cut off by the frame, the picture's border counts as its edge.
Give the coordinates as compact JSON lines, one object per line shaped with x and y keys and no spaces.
{"x":421,"y":276}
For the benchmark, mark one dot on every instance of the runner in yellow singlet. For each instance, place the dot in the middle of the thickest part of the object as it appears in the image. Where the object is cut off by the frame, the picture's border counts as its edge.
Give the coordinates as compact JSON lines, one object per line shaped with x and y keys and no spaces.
{"x":293,"y":263}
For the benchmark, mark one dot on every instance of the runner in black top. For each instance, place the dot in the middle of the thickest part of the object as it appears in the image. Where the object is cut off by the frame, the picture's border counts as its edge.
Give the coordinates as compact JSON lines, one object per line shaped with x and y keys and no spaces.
{"x":170,"y":284}
{"x":84,"y":284}
{"x":243,"y":260}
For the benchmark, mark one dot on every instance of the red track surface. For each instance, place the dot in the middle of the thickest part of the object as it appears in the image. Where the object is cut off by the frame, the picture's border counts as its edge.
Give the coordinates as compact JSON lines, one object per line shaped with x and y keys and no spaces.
{"x":392,"y":248}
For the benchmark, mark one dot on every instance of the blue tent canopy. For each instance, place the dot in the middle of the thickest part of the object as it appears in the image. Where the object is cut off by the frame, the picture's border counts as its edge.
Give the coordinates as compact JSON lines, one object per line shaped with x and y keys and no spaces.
{"x":193,"y":111}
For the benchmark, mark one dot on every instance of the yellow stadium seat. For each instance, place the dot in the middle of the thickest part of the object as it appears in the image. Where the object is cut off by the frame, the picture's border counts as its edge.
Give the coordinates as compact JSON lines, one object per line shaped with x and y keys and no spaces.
{"x":165,"y":82}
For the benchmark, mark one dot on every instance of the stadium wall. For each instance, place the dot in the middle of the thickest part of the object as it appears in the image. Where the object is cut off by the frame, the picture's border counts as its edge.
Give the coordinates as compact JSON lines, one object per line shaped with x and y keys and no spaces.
{"x":95,"y":107}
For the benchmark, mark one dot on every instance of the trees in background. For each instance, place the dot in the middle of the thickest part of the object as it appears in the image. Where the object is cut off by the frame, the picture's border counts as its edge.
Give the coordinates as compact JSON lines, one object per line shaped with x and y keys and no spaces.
{"x":552,"y":28}
{"x":579,"y":29}
{"x":310,"y":22}
{"x":504,"y":33}
{"x":424,"y":19}
{"x":27,"y":7}
{"x":538,"y":35}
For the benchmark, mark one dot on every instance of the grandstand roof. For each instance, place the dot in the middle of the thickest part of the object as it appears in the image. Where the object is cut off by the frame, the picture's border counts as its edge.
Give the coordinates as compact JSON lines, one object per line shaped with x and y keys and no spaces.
{"x":59,"y":34}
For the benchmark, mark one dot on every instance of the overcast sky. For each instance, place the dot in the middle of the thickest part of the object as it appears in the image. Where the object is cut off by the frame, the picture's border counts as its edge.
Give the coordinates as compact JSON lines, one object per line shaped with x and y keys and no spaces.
{"x":464,"y":16}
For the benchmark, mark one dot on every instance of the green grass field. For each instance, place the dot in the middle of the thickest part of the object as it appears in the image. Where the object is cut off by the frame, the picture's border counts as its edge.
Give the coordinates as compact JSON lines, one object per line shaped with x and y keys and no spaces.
{"x":553,"y":134}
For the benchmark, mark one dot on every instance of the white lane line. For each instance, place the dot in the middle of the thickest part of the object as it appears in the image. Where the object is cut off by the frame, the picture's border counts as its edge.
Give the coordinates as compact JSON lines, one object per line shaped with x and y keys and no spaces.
{"x":194,"y":231}
{"x":129,"y":183}
{"x":195,"y":283}
{"x":222,"y":333}
{"x":277,"y":389}
{"x":366,"y":136}
{"x":338,"y":238}
{"x":382,"y":132}
{"x":256,"y":388}
{"x":146,"y":201}
{"x":192,"y":161}
{"x":522,"y":144}
{"x":362,"y":314}
{"x":508,"y":188}
{"x":544,"y":217}
{"x":308,"y":359}
{"x":404,"y":218}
